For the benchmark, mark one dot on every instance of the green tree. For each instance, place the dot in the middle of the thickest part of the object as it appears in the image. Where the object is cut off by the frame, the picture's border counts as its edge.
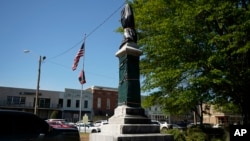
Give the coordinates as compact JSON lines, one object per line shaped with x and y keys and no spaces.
{"x":228,"y":107}
{"x":195,"y":51}
{"x":54,"y":114}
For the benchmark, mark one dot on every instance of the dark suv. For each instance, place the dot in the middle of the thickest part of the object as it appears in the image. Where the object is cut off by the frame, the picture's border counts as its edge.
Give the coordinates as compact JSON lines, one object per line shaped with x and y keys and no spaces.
{"x":24,"y":126}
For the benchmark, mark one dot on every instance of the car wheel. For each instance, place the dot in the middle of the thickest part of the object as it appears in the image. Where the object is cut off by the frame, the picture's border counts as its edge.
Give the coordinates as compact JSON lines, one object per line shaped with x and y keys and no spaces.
{"x":93,"y":131}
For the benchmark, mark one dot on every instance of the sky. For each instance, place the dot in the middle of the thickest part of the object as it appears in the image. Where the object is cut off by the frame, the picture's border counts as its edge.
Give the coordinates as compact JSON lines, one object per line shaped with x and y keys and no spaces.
{"x":56,"y":29}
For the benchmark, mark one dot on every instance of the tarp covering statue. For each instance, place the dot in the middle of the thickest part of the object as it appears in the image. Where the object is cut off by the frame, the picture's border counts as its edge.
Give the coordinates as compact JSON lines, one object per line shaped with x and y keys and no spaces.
{"x":128,"y":24}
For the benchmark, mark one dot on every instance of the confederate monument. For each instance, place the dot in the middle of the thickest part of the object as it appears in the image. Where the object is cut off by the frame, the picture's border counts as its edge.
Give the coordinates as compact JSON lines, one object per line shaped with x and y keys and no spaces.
{"x":129,"y":122}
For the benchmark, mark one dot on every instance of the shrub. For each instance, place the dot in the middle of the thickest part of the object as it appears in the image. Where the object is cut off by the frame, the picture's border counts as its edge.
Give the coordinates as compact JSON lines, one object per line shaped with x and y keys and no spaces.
{"x":178,"y":134}
{"x":54,"y":114}
{"x":196,"y":134}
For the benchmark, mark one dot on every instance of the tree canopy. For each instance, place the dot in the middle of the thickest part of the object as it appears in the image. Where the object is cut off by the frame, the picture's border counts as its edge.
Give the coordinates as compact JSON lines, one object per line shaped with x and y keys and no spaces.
{"x":194,"y":52}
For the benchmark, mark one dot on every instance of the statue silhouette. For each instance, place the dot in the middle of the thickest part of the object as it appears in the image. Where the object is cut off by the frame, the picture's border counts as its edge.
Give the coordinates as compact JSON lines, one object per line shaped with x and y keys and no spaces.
{"x":128,"y":24}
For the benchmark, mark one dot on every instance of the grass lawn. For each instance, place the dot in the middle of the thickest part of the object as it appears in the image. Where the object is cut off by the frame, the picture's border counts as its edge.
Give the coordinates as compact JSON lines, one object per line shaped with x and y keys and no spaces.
{"x":84,"y":136}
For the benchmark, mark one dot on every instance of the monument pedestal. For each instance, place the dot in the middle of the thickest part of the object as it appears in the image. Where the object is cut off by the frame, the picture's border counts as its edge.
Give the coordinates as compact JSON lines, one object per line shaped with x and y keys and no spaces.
{"x":129,"y":122}
{"x":130,"y":137}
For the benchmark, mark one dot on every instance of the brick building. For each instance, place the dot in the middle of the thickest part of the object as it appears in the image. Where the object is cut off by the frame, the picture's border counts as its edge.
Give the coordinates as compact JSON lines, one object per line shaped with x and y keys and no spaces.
{"x":105,"y":100}
{"x":217,"y":117}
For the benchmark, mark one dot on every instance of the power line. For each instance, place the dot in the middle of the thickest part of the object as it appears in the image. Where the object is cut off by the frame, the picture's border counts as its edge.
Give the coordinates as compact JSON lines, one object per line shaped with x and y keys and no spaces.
{"x":104,"y":21}
{"x":65,"y":51}
{"x":91,"y":73}
{"x":87,"y":35}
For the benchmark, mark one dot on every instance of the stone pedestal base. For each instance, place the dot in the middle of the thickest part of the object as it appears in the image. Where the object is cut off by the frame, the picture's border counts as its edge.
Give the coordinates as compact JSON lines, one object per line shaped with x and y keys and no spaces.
{"x":130,"y":137}
{"x":129,"y":115}
{"x":130,"y":124}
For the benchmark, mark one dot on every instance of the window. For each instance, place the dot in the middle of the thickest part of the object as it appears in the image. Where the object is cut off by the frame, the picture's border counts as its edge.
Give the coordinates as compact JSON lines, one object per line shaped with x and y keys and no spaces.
{"x":68,"y":103}
{"x":15,"y":100}
{"x":108,"y":103}
{"x":99,"y":102}
{"x":85,"y":103}
{"x":60,"y":103}
{"x":77,"y":103}
{"x":43,"y":102}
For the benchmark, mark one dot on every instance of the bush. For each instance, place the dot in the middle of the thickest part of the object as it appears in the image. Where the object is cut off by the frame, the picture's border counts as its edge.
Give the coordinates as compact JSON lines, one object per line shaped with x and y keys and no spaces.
{"x":178,"y":134}
{"x":54,"y":114}
{"x":196,"y":134}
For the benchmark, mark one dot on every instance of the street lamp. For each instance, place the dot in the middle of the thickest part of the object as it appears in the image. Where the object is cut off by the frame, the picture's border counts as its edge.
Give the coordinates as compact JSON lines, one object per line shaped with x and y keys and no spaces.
{"x":41,"y":58}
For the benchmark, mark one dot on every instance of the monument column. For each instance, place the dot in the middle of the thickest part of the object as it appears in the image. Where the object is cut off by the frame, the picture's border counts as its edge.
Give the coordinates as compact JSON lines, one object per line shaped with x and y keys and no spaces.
{"x":129,"y":109}
{"x":129,"y":76}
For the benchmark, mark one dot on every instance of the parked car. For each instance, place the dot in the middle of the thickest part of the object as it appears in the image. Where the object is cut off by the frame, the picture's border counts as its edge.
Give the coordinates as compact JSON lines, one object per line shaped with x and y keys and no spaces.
{"x":156,"y":122}
{"x":101,"y":126}
{"x":164,"y":125}
{"x":176,"y":126}
{"x":81,"y":122}
{"x":56,"y":119}
{"x":218,"y":126}
{"x":190,"y":125}
{"x":100,"y":123}
{"x":88,"y":128}
{"x":204,"y":125}
{"x":60,"y":124}
{"x":24,"y":126}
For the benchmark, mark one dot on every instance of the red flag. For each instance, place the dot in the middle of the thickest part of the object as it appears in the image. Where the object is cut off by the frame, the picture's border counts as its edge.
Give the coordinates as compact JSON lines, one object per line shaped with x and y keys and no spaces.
{"x":82,"y":77}
{"x":79,"y":54}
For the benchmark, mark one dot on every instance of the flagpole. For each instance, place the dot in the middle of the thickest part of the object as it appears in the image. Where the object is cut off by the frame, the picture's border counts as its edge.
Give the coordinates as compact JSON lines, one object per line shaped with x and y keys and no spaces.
{"x":80,"y":108}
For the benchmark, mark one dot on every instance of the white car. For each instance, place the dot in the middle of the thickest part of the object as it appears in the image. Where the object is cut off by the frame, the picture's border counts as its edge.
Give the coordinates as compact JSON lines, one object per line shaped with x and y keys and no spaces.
{"x":163,"y":124}
{"x":81,"y":122}
{"x":88,"y":128}
{"x":100,"y":123}
{"x":218,"y":126}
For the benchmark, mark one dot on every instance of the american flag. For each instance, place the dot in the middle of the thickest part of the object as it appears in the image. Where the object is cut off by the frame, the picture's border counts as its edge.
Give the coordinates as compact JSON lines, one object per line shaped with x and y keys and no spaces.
{"x":79,"y":54}
{"x":82,"y":77}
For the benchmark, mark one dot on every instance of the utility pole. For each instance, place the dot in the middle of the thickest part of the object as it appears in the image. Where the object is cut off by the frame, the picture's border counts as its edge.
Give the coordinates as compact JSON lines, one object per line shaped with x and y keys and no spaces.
{"x":41,"y":58}
{"x":38,"y":83}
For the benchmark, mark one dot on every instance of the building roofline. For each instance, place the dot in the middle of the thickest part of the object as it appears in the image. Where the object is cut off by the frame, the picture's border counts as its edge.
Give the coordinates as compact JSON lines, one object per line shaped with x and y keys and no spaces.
{"x":103,"y":88}
{"x":31,"y":89}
